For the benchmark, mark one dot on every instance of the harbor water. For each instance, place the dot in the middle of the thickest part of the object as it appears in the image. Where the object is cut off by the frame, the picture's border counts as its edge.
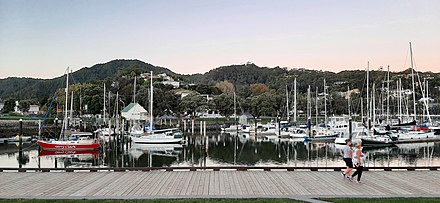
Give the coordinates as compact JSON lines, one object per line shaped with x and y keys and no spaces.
{"x":217,"y":149}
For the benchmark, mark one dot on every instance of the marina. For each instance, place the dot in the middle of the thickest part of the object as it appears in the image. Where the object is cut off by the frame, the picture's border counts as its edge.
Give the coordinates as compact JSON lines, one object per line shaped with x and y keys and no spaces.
{"x":217,"y":101}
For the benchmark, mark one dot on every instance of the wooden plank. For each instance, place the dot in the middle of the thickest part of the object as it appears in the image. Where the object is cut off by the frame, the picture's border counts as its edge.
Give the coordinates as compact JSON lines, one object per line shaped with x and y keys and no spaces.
{"x":227,"y":183}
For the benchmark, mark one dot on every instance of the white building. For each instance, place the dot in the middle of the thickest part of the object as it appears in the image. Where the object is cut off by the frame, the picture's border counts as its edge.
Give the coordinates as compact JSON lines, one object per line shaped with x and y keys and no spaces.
{"x":210,"y":114}
{"x":34,"y":109}
{"x":165,"y":76}
{"x":1,"y":106}
{"x":17,"y":107}
{"x":134,"y":111}
{"x":207,"y":96}
{"x":175,"y":84}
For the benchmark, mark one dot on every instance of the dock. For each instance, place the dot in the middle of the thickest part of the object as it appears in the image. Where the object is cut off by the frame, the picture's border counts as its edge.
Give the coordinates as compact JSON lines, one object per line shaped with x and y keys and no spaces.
{"x":302,"y":185}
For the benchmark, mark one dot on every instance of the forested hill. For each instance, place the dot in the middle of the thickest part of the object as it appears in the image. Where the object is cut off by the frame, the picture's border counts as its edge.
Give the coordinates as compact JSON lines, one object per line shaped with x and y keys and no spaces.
{"x":30,"y":88}
{"x":277,"y":78}
{"x":242,"y":76}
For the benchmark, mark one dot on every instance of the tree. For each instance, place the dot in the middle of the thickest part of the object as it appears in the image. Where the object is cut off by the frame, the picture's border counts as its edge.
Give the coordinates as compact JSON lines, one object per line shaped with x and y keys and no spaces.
{"x":165,"y":101}
{"x":266,"y":104}
{"x":225,"y":86}
{"x":193,"y":103}
{"x":8,"y":106}
{"x":224,"y":103}
{"x":338,"y":104}
{"x":259,"y":88}
{"x":24,"y":105}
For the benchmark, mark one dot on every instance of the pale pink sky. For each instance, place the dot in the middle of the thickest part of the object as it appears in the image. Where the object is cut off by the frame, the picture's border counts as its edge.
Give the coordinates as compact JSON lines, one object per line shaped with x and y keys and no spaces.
{"x":42,"y":38}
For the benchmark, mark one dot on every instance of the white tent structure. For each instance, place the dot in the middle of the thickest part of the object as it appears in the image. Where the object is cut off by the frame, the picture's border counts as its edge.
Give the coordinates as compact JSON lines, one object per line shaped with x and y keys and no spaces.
{"x":134,"y":111}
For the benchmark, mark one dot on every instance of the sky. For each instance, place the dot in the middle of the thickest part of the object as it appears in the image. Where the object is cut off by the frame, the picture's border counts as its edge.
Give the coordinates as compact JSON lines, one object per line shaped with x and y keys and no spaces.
{"x":42,"y":38}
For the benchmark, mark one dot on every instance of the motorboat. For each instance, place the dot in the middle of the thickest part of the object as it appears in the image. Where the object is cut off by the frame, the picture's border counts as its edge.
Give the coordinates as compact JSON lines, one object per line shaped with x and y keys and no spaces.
{"x":165,"y":136}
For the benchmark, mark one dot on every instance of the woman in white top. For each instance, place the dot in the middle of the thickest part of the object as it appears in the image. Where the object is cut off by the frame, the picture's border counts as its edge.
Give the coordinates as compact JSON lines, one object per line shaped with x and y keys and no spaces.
{"x":358,"y":161}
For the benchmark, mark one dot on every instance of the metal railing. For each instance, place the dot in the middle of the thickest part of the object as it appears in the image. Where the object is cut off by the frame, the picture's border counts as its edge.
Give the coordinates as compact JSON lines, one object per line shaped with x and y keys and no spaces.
{"x":215,"y":168}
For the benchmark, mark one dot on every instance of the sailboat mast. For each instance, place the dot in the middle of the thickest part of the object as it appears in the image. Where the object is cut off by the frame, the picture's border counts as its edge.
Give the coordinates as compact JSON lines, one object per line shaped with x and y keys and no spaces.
{"x":325,"y":103}
{"x":309,"y":111}
{"x":71,"y":108}
{"x":348,"y":99}
{"x":316,"y":106}
{"x":104,"y":110}
{"x":427,"y":89}
{"x":362,"y":109}
{"x":374,"y":103}
{"x":388,"y":95}
{"x":413,"y":83}
{"x":294,"y":101}
{"x":399,"y":89}
{"x":382,"y":101}
{"x":368,"y":98}
{"x":117,"y":104}
{"x":151,"y":102}
{"x":287,"y":105}
{"x":67,"y":95}
{"x":235,"y":108}
{"x":134,"y":90}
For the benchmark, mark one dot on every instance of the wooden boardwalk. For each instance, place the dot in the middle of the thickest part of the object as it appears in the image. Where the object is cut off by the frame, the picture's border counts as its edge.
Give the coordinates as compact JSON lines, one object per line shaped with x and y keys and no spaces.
{"x":194,"y":184}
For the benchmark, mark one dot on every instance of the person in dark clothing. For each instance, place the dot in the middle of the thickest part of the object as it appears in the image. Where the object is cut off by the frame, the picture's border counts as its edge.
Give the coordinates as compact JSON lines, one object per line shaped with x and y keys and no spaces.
{"x":348,"y":156}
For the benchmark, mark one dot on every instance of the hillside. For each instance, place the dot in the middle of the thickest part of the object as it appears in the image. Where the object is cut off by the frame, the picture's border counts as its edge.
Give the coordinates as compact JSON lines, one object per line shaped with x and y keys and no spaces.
{"x":28,"y":88}
{"x":240,"y":75}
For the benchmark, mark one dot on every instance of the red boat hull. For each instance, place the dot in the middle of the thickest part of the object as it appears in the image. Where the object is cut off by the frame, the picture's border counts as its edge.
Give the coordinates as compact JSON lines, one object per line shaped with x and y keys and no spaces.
{"x":68,"y":146}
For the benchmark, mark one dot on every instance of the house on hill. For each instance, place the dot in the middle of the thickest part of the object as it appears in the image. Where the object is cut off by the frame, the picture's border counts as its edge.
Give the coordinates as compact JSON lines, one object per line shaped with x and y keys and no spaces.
{"x":134,"y":111}
{"x":34,"y":109}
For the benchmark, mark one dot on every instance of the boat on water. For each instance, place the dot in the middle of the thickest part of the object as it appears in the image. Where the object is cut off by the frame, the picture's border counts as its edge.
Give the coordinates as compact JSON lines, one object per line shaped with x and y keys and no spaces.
{"x":232,"y":127}
{"x":160,"y":136}
{"x":415,"y":135}
{"x":70,"y":144}
{"x":378,"y":141}
{"x":136,"y":130}
{"x":70,"y":139}
{"x":164,"y":136}
{"x":76,"y":140}
{"x":297,"y":133}
{"x":321,"y":134}
{"x":104,"y":134}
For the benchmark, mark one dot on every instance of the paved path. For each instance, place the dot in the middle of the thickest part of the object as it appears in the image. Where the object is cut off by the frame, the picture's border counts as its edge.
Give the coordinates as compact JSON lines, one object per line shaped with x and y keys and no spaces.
{"x":202,"y":184}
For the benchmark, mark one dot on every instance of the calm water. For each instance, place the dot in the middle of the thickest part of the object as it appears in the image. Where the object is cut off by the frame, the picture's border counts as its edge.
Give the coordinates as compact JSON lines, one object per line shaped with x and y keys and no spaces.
{"x":221,"y":150}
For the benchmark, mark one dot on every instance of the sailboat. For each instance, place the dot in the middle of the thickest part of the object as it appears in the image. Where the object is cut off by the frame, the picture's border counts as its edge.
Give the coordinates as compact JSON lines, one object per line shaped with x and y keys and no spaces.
{"x":75,"y":140}
{"x":162,"y":136}
{"x":404,"y":135}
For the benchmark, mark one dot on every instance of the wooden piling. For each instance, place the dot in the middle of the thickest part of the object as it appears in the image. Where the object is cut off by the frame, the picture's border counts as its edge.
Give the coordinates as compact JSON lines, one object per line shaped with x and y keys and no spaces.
{"x":192,"y":126}
{"x":201,"y":127}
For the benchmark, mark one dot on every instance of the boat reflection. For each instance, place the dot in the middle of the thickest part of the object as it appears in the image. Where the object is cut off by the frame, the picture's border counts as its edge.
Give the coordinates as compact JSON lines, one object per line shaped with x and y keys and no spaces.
{"x":220,"y":150}
{"x":145,"y":154}
{"x":72,"y":158}
{"x":68,"y":152}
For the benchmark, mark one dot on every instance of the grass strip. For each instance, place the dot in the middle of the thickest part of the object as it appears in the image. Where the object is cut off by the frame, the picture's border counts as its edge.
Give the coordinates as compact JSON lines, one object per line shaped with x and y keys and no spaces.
{"x":383,"y":200}
{"x":214,"y":200}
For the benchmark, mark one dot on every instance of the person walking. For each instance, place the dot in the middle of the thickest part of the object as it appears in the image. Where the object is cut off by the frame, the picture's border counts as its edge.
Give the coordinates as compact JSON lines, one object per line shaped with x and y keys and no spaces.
{"x":359,"y":161}
{"x":347,"y":155}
